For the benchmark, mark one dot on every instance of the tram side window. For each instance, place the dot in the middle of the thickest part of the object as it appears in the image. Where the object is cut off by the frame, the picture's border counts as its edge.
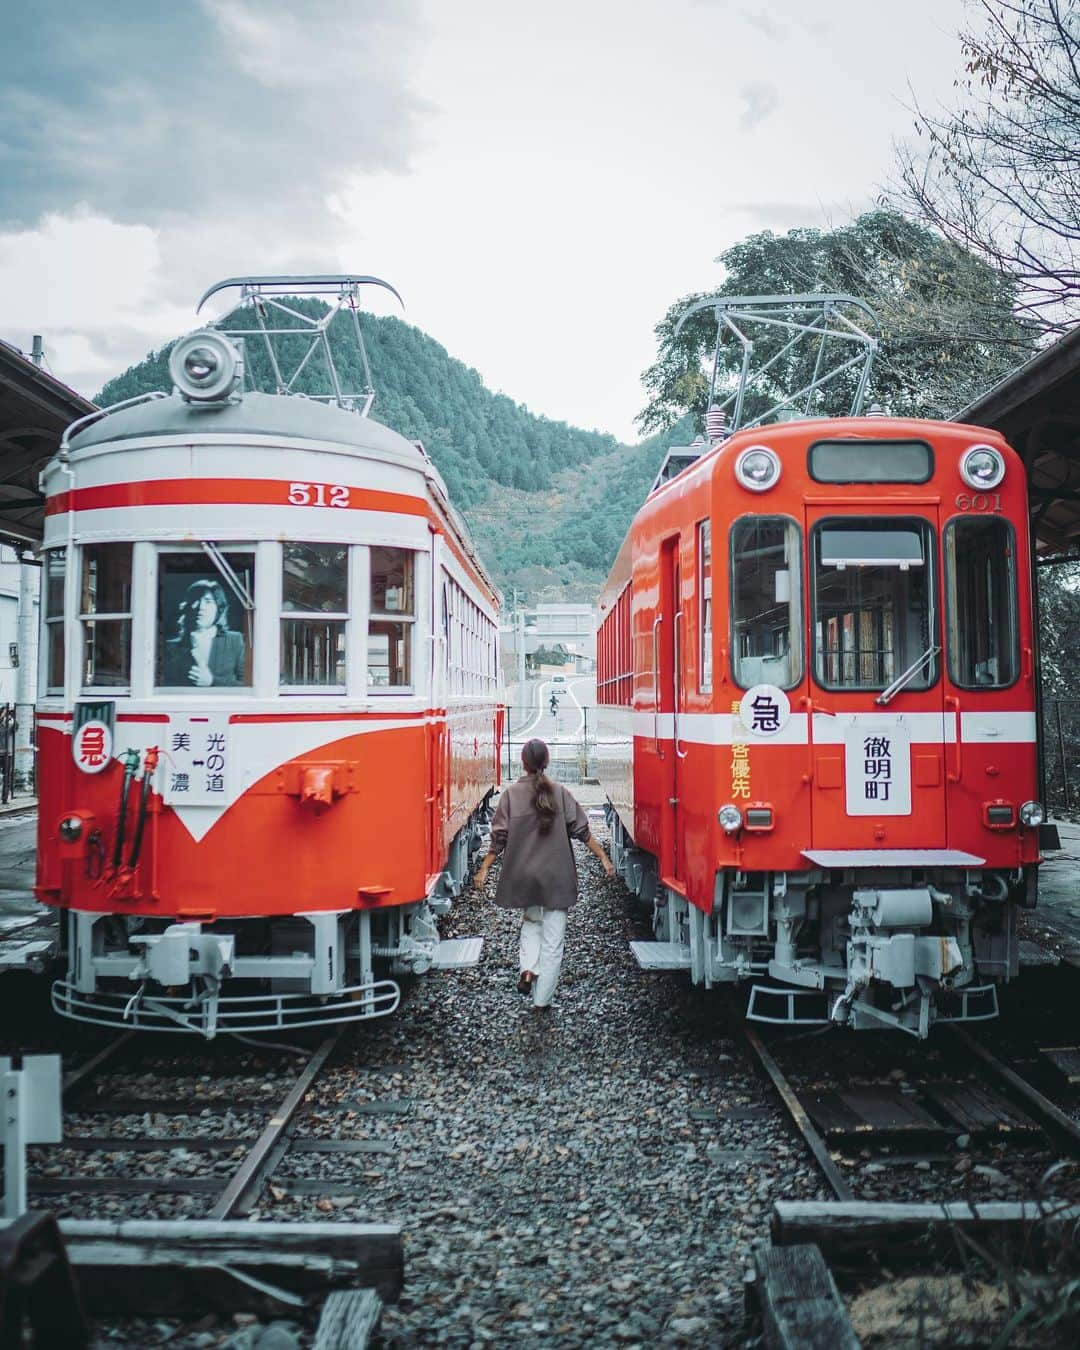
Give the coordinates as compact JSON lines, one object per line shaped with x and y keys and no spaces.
{"x":980,"y":559}
{"x":873,"y":603}
{"x":55,"y":570}
{"x":105,"y":612}
{"x":705,"y":612}
{"x":391,"y":619}
{"x":766,"y":601}
{"x":204,"y":623}
{"x":315,"y":610}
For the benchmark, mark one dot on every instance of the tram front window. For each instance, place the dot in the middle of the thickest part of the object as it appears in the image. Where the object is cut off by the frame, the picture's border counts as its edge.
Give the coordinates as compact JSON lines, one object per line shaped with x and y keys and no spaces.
{"x":980,"y":565}
{"x":105,"y":611}
{"x":315,"y":610}
{"x":204,"y":625}
{"x":52,"y":590}
{"x":873,"y":603}
{"x":391,"y":619}
{"x":766,"y":602}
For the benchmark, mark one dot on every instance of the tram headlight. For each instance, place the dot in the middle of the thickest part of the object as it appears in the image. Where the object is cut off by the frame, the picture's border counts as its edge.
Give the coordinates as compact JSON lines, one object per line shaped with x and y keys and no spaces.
{"x":205,"y":367}
{"x":70,"y":829}
{"x":1032,"y":813}
{"x":757,"y":468}
{"x":730,"y":818}
{"x":982,"y":467}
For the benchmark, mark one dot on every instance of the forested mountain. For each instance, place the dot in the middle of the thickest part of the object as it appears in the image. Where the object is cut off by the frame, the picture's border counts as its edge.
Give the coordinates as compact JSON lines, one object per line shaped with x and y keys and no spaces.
{"x":532,"y":489}
{"x":549,"y":503}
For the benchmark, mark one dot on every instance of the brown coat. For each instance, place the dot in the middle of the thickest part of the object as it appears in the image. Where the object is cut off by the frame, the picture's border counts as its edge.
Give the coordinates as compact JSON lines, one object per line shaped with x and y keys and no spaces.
{"x":537,"y":869}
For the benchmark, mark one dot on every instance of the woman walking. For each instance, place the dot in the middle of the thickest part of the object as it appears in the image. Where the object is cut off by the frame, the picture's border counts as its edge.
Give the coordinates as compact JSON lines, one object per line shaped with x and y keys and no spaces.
{"x":534,"y":823}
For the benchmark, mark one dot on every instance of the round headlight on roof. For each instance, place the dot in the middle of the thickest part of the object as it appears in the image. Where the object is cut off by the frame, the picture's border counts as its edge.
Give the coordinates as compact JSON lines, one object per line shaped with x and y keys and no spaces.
{"x":757,"y":468}
{"x":205,"y":366}
{"x":982,"y":467}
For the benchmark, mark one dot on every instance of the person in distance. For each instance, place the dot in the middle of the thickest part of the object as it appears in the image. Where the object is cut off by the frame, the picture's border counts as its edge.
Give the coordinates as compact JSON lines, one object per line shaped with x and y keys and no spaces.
{"x":534,"y":823}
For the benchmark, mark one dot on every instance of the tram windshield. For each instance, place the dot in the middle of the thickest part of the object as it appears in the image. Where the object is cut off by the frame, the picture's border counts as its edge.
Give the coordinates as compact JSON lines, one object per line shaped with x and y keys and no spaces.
{"x":873,"y":603}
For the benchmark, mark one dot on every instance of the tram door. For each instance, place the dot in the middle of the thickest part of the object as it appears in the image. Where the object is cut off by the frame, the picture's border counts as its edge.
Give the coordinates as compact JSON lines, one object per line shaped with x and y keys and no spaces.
{"x":668,"y":640}
{"x":878,"y":731}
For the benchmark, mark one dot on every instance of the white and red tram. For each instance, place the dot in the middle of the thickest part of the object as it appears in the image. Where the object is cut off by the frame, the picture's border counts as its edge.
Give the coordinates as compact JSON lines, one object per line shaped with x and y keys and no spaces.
{"x":269,"y":717}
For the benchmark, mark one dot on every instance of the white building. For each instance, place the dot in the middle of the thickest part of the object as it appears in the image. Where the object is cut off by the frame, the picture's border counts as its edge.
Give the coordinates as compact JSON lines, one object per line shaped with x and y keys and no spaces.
{"x":546,"y":629}
{"x":12,"y":655}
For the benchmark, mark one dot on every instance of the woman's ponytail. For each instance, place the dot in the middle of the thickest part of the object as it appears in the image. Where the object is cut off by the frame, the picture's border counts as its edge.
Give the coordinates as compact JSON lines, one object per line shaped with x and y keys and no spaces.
{"x":534,"y":759}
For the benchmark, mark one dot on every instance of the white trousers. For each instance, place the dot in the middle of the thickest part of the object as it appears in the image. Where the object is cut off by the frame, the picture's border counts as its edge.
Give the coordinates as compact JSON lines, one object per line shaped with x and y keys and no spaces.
{"x":542,"y":934}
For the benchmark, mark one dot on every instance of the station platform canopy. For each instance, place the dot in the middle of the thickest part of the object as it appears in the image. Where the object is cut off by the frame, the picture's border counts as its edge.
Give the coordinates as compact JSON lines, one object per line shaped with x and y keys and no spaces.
{"x":35,"y":408}
{"x":1037,"y":409}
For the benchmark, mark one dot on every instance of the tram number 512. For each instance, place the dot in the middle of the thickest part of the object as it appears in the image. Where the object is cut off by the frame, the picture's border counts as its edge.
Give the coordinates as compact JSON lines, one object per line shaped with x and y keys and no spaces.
{"x":318,"y":494}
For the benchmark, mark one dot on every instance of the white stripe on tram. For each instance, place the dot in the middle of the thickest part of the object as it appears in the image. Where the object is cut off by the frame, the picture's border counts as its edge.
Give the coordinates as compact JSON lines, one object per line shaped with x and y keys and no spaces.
{"x":924,"y":728}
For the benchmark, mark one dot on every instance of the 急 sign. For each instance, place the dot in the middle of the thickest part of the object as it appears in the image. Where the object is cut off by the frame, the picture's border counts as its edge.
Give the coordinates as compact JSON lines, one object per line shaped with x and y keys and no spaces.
{"x":92,"y":736}
{"x":196,"y":755}
{"x":877,"y":768}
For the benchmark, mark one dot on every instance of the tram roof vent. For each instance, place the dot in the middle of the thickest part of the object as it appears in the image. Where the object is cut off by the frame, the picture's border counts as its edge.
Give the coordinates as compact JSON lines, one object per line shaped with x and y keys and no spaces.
{"x":679,"y":457}
{"x":286,"y":348}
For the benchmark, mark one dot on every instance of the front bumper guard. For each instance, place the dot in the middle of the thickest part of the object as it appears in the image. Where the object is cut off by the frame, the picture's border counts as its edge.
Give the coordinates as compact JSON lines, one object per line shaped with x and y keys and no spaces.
{"x":208,"y":1014}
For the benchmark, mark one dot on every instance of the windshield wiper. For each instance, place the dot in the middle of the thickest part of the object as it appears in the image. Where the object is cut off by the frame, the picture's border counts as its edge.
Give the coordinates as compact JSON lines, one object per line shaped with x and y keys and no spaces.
{"x":887,"y":695}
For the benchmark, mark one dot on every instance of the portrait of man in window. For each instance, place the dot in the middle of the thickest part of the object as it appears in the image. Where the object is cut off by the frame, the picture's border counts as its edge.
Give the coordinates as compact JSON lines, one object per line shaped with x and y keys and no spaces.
{"x":205,"y":650}
{"x":203,"y":631}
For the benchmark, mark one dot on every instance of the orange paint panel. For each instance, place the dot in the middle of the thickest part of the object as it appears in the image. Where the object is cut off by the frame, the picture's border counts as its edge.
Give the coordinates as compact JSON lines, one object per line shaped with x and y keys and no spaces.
{"x":269,"y":853}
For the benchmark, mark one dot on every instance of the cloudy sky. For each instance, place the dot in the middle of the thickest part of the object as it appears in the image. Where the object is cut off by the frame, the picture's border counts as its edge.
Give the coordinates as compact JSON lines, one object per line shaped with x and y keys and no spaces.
{"x":539,"y":181}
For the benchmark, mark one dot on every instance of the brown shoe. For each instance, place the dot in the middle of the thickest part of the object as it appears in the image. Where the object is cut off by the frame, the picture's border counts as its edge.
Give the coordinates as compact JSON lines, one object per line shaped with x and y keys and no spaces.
{"x":526,"y":982}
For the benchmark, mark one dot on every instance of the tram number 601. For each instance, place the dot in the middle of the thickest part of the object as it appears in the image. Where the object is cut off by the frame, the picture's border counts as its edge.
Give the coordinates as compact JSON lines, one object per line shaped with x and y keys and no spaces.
{"x":318,"y":494}
{"x":978,"y":501}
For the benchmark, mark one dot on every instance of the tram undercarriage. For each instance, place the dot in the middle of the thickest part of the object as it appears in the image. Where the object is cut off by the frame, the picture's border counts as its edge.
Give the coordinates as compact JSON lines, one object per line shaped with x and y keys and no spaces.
{"x":261,"y":974}
{"x":900,"y":948}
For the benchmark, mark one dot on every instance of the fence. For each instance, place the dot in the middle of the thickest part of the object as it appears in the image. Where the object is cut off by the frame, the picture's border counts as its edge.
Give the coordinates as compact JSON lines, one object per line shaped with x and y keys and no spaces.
{"x":571,"y":753}
{"x":1061,"y":753}
{"x":18,"y":751}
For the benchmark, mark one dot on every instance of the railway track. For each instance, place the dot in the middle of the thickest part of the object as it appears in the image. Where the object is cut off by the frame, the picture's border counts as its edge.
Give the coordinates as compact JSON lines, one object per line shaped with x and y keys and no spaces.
{"x":952,"y":1120}
{"x":201,"y":1144}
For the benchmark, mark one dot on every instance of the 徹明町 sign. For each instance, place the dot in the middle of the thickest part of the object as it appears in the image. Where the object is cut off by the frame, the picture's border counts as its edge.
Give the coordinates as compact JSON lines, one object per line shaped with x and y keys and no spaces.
{"x":877,"y":769}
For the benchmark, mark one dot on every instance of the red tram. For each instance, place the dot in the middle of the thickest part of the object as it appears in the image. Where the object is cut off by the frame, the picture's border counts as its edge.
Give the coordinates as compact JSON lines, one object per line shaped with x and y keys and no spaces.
{"x":818,"y":647}
{"x":268,"y":721}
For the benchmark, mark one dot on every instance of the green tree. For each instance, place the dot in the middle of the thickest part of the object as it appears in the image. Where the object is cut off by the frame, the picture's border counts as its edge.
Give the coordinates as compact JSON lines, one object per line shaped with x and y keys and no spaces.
{"x":947,"y":326}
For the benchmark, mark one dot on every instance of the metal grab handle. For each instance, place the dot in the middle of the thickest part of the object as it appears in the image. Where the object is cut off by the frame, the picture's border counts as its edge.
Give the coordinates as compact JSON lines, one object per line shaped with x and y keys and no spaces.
{"x":656,"y":683}
{"x":958,"y":772}
{"x":678,"y":687}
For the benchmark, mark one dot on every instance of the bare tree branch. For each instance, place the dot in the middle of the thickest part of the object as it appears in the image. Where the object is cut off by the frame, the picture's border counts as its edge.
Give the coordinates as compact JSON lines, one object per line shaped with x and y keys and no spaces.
{"x":1000,"y":173}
